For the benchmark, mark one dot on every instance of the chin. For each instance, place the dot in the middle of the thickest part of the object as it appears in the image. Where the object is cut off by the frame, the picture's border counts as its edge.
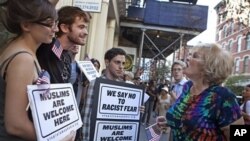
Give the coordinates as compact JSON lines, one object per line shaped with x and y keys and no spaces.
{"x":48,"y":41}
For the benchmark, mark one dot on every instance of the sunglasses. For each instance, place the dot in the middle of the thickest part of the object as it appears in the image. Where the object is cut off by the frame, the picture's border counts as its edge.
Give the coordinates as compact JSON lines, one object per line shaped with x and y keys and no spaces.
{"x":49,"y":25}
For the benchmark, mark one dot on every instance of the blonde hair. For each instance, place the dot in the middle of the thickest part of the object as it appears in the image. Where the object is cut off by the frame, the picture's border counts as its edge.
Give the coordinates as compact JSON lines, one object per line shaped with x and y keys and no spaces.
{"x":218,"y":63}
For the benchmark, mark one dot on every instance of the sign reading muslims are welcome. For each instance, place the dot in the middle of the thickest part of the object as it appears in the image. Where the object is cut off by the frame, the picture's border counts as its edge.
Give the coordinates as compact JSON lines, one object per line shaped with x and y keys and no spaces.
{"x":54,"y":111}
{"x":116,"y":114}
{"x":89,"y":5}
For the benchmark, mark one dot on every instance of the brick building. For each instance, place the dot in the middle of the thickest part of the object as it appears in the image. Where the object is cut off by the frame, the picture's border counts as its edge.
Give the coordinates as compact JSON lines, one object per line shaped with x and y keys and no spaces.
{"x":234,"y":37}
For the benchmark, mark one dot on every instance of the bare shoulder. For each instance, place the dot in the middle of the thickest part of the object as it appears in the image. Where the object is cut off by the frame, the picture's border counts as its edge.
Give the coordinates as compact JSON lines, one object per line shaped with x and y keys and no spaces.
{"x":23,"y":62}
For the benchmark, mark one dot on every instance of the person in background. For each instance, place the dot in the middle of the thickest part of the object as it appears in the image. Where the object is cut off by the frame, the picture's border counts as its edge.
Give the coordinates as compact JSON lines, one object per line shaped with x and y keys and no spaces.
{"x":18,"y":63}
{"x":151,"y":91}
{"x":205,"y":110}
{"x":179,"y":78}
{"x":137,"y":81}
{"x":75,"y":70}
{"x":245,"y":107}
{"x":96,"y":64}
{"x":164,"y":101}
{"x":128,"y":77}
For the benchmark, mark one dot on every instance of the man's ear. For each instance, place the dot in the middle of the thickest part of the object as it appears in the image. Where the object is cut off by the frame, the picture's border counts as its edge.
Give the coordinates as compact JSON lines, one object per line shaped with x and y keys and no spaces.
{"x":64,"y":28}
{"x":106,"y":63}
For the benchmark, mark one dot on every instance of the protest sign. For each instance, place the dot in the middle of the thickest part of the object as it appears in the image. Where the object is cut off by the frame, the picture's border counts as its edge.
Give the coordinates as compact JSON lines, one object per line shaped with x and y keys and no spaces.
{"x":116,"y":131}
{"x":88,"y":69}
{"x":54,"y":110}
{"x":116,"y":103}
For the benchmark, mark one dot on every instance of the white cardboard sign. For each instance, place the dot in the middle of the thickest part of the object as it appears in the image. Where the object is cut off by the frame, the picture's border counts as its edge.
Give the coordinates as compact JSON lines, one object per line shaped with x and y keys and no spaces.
{"x":88,"y":69}
{"x":54,"y":110}
{"x":116,"y":131}
{"x":117,"y":102}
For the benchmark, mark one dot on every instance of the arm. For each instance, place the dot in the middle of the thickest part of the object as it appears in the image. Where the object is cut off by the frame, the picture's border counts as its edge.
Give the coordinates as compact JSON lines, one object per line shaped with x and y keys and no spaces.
{"x":173,"y":95}
{"x":20,"y":73}
{"x":246,"y":114}
{"x":226,"y":129}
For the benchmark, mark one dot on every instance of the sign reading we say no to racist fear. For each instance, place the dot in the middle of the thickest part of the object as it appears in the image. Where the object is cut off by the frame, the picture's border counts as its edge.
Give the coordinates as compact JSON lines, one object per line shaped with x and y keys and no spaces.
{"x":116,"y":114}
{"x":54,"y":110}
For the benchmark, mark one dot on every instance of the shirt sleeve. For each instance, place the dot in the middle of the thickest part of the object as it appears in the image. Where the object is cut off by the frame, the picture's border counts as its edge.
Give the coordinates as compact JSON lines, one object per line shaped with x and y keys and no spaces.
{"x":248,"y":107}
{"x":228,"y":108}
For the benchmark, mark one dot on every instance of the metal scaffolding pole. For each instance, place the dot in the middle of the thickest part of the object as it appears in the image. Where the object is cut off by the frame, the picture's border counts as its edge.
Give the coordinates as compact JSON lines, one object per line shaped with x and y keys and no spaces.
{"x":165,"y":48}
{"x":154,"y":45}
{"x":141,"y":48}
{"x":181,"y":44}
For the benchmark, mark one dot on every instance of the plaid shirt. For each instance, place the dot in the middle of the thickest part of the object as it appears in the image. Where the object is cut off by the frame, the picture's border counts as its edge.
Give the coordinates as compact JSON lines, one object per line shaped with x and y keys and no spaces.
{"x":87,"y":109}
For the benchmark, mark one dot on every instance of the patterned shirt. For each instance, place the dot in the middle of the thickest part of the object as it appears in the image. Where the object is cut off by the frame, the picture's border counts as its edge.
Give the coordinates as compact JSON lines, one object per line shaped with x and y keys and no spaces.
{"x":87,"y":110}
{"x":200,"y":117}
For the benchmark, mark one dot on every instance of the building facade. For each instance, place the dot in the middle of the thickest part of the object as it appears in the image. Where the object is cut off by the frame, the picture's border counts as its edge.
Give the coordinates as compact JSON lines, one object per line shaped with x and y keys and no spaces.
{"x":234,"y":36}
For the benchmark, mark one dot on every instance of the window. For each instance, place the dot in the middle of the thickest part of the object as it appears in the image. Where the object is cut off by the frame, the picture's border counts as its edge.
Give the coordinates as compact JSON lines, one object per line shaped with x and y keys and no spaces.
{"x":237,"y":65}
{"x":246,"y":64}
{"x":248,"y":42}
{"x":225,"y":31}
{"x":230,"y":45}
{"x":220,"y":33}
{"x":239,"y":44}
{"x":223,"y":45}
{"x":230,"y":29}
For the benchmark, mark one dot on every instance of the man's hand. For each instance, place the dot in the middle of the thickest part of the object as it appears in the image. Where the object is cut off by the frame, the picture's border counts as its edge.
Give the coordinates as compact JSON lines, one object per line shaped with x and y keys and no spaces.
{"x":142,"y":109}
{"x":161,"y":122}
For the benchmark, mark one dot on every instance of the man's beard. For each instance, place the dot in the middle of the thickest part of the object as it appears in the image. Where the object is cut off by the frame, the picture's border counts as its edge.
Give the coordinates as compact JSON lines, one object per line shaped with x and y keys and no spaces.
{"x":74,"y":41}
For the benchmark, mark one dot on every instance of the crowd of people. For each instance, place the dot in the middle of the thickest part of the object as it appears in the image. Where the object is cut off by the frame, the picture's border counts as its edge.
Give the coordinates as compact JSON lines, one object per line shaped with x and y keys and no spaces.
{"x":195,"y":106}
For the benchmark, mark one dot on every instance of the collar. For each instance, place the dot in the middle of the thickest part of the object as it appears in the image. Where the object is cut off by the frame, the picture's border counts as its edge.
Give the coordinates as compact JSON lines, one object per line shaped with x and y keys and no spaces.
{"x":183,"y":81}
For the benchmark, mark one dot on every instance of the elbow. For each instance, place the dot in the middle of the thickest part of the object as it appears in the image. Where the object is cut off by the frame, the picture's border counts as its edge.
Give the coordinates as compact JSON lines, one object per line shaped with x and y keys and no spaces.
{"x":12,"y":129}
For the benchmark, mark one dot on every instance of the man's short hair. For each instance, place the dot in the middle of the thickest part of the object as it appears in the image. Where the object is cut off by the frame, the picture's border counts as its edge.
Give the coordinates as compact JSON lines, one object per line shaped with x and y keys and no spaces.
{"x":68,"y":14}
{"x":179,"y":62}
{"x":113,"y":52}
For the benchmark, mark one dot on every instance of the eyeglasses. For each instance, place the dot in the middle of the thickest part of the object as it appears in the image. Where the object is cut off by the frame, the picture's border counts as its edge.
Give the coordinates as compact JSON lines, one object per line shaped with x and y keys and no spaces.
{"x":49,"y":25}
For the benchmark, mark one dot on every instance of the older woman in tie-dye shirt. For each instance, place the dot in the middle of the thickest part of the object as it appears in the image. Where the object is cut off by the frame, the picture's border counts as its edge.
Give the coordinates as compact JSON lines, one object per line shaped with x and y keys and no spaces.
{"x":205,"y":109}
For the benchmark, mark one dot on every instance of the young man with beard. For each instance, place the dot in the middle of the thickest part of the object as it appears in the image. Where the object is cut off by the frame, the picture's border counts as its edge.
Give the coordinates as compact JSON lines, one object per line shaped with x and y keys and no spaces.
{"x":55,"y":57}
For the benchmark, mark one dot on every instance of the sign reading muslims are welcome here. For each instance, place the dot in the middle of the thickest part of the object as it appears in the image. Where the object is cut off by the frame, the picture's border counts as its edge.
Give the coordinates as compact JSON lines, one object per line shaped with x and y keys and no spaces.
{"x":54,"y":110}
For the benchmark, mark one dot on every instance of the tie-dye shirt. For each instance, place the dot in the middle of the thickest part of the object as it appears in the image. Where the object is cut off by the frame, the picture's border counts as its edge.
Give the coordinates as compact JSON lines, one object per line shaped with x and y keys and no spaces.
{"x":200,"y":117}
